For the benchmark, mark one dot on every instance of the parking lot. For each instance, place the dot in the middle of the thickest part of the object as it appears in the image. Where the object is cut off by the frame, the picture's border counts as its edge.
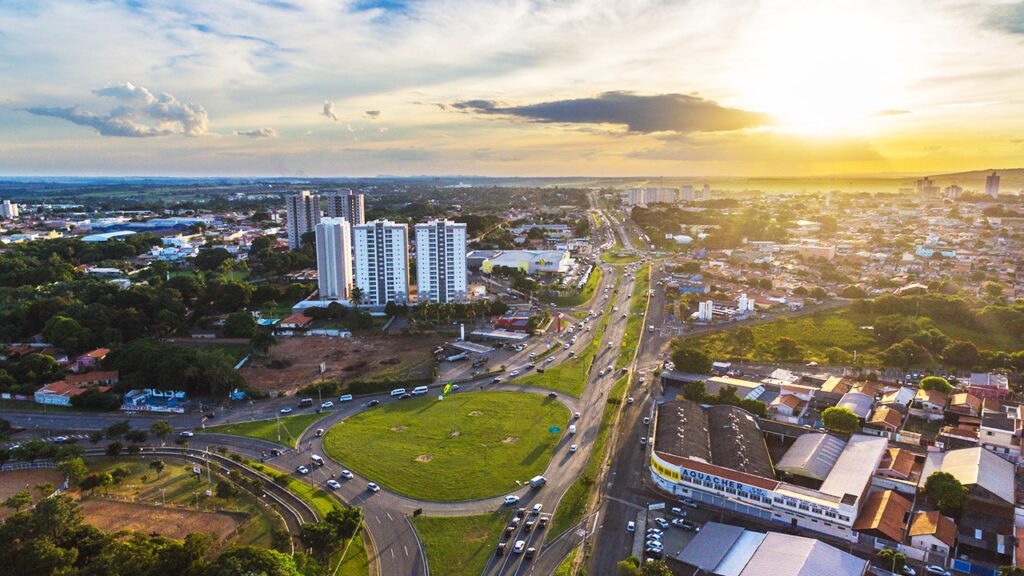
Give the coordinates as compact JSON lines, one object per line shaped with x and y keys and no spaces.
{"x":674,"y":527}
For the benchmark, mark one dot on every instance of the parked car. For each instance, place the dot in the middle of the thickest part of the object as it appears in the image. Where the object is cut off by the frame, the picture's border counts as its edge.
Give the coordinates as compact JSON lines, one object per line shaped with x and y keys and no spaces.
{"x":631,"y":526}
{"x":661,"y":522}
{"x":689,"y":502}
{"x":678,"y":512}
{"x":937,"y":571}
{"x":372,"y":403}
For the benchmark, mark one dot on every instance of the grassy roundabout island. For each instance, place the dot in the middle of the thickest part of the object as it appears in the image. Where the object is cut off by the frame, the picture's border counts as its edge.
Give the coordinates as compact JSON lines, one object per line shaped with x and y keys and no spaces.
{"x":470,"y":445}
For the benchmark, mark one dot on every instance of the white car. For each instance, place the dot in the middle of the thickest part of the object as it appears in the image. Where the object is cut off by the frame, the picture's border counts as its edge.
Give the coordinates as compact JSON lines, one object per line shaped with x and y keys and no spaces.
{"x":510,"y":500}
{"x":372,"y":487}
{"x":661,"y":522}
{"x":302,"y":469}
{"x":286,"y":410}
{"x":572,"y":448}
{"x":631,"y":526}
{"x":514,"y":373}
{"x":327,"y":405}
{"x":937,"y":571}
{"x":537,"y":508}
{"x":186,"y":434}
{"x":908,"y":571}
{"x":333,"y":484}
{"x":549,"y":360}
{"x":346,"y":474}
{"x":519,"y":547}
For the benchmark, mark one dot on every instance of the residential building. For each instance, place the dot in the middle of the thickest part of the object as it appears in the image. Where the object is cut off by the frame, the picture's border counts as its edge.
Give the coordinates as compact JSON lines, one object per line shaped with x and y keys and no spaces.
{"x":61,"y":392}
{"x":932,"y":532}
{"x":303,"y":216}
{"x":992,"y":185}
{"x":884,"y":516}
{"x":989,"y":385}
{"x":334,"y":259}
{"x":382,"y":262}
{"x":9,"y":210}
{"x":441,"y":261}
{"x":346,"y":204}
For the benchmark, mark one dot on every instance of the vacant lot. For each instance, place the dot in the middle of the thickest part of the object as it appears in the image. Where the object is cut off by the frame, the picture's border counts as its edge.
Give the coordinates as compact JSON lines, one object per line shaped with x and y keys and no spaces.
{"x":470,"y":445}
{"x":289,"y":427}
{"x":460,"y":544}
{"x":295,"y":362}
{"x":17,"y":480}
{"x":152,"y":518}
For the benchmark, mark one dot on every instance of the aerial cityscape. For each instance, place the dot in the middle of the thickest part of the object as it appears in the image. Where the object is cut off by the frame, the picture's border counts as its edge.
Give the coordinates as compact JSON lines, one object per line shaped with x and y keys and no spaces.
{"x":523,"y":288}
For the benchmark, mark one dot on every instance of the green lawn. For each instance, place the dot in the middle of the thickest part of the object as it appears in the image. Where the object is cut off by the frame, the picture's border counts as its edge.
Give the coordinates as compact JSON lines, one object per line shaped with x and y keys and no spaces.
{"x":574,"y":502}
{"x":565,"y":568}
{"x":635,"y":322}
{"x":619,"y":257}
{"x":459,"y":545}
{"x":583,"y":296}
{"x":356,"y":561}
{"x":470,"y":445}
{"x":291,"y":428}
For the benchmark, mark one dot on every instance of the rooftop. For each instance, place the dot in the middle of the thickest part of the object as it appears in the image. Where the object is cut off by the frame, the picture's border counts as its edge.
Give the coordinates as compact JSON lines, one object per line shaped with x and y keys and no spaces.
{"x":812,"y":455}
{"x":853,"y":470}
{"x":935,"y":524}
{"x":974,"y":466}
{"x":884,"y":513}
{"x":722,"y":435}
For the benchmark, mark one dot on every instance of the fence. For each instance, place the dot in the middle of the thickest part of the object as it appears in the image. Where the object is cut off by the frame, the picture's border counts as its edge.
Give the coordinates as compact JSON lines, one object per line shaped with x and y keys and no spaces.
{"x":26,"y":466}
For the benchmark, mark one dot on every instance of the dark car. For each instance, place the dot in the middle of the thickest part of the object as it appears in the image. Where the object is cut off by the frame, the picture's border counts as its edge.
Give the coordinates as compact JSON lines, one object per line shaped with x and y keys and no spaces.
{"x":373,"y":402}
{"x":405,"y":396}
{"x":210,"y":415}
{"x":501,"y":549}
{"x":530,"y":552}
{"x":552,"y":395}
{"x":520,"y":512}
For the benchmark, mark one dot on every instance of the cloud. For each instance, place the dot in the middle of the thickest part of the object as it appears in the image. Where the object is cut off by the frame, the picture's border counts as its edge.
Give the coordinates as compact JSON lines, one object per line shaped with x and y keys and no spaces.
{"x":329,"y":110}
{"x":141,"y":114}
{"x":258,"y":133}
{"x":892,"y":112}
{"x":1008,"y":18}
{"x":372,"y":114}
{"x":639,"y":113}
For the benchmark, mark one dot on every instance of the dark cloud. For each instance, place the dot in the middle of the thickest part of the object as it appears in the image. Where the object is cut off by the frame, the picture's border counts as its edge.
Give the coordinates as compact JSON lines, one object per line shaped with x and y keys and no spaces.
{"x":639,"y":113}
{"x":258,"y":133}
{"x":1008,"y":18}
{"x":163,"y":112}
{"x":372,"y":114}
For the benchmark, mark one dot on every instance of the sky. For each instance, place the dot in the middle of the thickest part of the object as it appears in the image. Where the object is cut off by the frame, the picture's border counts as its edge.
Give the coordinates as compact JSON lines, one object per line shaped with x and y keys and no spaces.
{"x":510,"y":87}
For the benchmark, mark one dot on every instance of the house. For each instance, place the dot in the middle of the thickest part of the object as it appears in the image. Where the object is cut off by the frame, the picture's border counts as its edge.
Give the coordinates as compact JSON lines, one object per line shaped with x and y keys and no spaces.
{"x":858,"y":403}
{"x":297,"y":321}
{"x":897,"y":463}
{"x":932,"y":532}
{"x":989,"y":385}
{"x":930,"y":404}
{"x":90,"y":359}
{"x":885,"y":418}
{"x":1000,"y":433}
{"x":899,"y":399}
{"x":884,"y":516}
{"x":964,"y":404}
{"x":61,"y":392}
{"x":791,"y":403}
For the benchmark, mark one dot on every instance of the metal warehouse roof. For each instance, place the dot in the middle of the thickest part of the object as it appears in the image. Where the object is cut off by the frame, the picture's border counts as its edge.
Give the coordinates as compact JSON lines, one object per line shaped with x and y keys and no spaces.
{"x":812,"y":455}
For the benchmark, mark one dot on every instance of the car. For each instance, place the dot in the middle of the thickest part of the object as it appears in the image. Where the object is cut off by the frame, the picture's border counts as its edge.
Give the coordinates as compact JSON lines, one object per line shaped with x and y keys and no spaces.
{"x":687,"y":525}
{"x":647,"y":420}
{"x":565,"y":346}
{"x":537,"y":508}
{"x":652,"y":549}
{"x":530,"y":552}
{"x":496,"y":381}
{"x":609,"y":369}
{"x":319,"y":432}
{"x":333,"y":484}
{"x":689,"y":502}
{"x":61,"y":440}
{"x":372,"y":487}
{"x":678,"y":512}
{"x":210,"y":415}
{"x":549,"y":360}
{"x":654,"y":531}
{"x":500,"y":551}
{"x":653,"y":543}
{"x":510,"y":531}
{"x":542,"y":522}
{"x":510,"y":500}
{"x":679,"y":523}
{"x":528,"y":526}
{"x":629,"y":400}
{"x":372,"y":403}
{"x":286,"y":410}
{"x":572,"y":448}
{"x":346,"y":475}
{"x":552,"y":395}
{"x":520,"y":512}
{"x":186,"y":434}
{"x":937,"y":571}
{"x":345,"y":398}
{"x":519,"y":546}
{"x":908,"y":571}
{"x":661,"y":522}
{"x":302,"y":469}
{"x":571,"y":353}
{"x":600,"y":372}
{"x":643,"y":440}
{"x":631,"y":526}
{"x":327,"y":405}
{"x":576,"y":416}
{"x":405,"y":396}
{"x":514,"y":373}
{"x":275,"y":452}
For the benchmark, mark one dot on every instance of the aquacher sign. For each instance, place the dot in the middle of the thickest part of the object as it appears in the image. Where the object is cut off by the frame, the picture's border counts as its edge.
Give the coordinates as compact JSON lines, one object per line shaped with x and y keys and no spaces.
{"x":719,"y":483}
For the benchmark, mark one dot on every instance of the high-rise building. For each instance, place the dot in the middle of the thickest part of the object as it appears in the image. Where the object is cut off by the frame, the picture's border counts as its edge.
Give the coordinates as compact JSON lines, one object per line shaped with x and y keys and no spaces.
{"x":9,"y":210}
{"x":334,"y":259}
{"x":303,"y":216}
{"x":926,"y":187}
{"x":953,"y":191}
{"x":382,"y":262}
{"x":992,"y":185}
{"x":346,"y":204}
{"x":441,"y":261}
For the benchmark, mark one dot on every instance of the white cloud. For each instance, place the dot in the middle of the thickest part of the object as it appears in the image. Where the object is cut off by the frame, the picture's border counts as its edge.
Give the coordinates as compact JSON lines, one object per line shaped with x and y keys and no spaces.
{"x":258,"y":133}
{"x":329,"y":110}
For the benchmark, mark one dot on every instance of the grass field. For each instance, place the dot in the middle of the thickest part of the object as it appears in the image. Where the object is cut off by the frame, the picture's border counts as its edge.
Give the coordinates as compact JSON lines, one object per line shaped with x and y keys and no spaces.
{"x":356,"y":561}
{"x":565,"y":568}
{"x":291,"y":428}
{"x":459,"y":545}
{"x":635,"y":322}
{"x":584,"y":295}
{"x":470,"y":445}
{"x":613,"y":257}
{"x":574,"y":502}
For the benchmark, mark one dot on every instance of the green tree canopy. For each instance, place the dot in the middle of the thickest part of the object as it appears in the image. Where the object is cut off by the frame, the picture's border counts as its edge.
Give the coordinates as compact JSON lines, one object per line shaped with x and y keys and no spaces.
{"x":841,"y":420}
{"x":691,"y":360}
{"x":936,"y":383}
{"x":948,"y":494}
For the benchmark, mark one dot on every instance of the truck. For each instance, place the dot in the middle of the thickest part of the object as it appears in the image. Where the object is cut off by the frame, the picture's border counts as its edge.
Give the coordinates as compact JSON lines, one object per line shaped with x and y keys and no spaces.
{"x":538,"y":481}
{"x":457,"y":357}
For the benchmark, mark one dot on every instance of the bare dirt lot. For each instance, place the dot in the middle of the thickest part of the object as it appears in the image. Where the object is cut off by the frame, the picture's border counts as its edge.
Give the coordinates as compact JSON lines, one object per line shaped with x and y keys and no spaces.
{"x":149,"y":518}
{"x":294,"y":362}
{"x":15,"y":481}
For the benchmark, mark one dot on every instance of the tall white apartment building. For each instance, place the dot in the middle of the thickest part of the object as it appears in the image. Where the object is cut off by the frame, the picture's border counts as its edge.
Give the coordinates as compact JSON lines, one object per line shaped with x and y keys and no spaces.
{"x":441,"y":261}
{"x":382,"y":262}
{"x":346,"y":204}
{"x":9,"y":210}
{"x":303,"y":216}
{"x":334,"y":259}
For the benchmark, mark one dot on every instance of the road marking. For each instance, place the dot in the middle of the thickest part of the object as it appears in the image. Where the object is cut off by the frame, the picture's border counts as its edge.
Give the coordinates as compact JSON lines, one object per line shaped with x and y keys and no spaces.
{"x":392,"y":553}
{"x":406,"y":549}
{"x":379,"y":521}
{"x":389,"y":516}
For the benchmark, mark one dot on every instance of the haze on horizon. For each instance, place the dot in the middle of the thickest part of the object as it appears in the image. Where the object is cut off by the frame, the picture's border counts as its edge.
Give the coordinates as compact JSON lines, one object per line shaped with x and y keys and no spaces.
{"x":514,"y":87}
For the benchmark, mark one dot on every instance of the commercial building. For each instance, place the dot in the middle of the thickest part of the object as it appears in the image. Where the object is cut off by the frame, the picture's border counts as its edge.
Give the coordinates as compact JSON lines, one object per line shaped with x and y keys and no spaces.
{"x":303,"y":216}
{"x":9,"y":210}
{"x":382,"y":262}
{"x":718,"y":455}
{"x":334,"y":259}
{"x":346,"y":204}
{"x":726,"y":550}
{"x":441,"y":261}
{"x":530,"y":261}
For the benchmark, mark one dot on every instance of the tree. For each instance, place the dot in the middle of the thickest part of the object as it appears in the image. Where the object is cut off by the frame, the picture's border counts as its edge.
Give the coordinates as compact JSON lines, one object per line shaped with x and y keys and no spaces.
{"x":262,"y":341}
{"x":691,"y":360}
{"x":656,"y":568}
{"x":211,"y":259}
{"x":628,"y":567}
{"x":226,"y":489}
{"x":118,"y":429}
{"x":239,"y":325}
{"x":161,"y":430}
{"x":961,"y":354}
{"x":157,"y":466}
{"x":695,"y":391}
{"x":892,"y":560}
{"x":947,"y":492}
{"x":74,"y":468}
{"x":787,"y":349}
{"x":357,"y":295}
{"x":135,"y":436}
{"x":18,"y":500}
{"x":114,"y":449}
{"x":1011,"y":571}
{"x":65,"y":333}
{"x":935,"y":383}
{"x":252,"y":560}
{"x":841,"y":420}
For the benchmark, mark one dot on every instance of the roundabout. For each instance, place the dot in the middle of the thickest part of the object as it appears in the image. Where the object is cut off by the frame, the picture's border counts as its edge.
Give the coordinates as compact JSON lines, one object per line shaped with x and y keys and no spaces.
{"x":469,"y":446}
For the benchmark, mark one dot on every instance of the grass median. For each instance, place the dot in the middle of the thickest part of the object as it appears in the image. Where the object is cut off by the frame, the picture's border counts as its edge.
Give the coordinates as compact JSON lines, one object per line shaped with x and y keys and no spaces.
{"x":577,"y":298}
{"x":635,"y":322}
{"x":291,"y":428}
{"x":459,"y":545}
{"x":470,"y":445}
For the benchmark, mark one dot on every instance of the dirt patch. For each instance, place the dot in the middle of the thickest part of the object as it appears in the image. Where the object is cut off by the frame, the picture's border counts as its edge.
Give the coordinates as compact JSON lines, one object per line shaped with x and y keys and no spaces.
{"x":15,"y":481}
{"x":424,"y":458}
{"x":148,"y":518}
{"x":476,"y":413}
{"x":367,"y":358}
{"x":399,"y":428}
{"x":510,"y":440}
{"x":454,"y":433}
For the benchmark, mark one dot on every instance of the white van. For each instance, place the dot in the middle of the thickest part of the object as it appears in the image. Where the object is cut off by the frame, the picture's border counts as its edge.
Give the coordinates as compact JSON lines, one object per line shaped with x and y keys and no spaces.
{"x":572,"y":429}
{"x":398,"y":391}
{"x":345,"y":398}
{"x":317,"y":460}
{"x":418,"y":391}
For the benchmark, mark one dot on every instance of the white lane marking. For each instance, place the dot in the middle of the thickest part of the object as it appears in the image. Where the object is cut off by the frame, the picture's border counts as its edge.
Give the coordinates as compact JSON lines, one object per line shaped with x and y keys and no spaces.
{"x":406,"y":549}
{"x":389,"y":516}
{"x":379,"y":521}
{"x":392,"y":552}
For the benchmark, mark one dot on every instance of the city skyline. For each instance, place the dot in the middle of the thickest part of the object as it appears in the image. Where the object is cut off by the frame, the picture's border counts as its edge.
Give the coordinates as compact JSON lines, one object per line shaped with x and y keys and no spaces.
{"x":588,"y":87}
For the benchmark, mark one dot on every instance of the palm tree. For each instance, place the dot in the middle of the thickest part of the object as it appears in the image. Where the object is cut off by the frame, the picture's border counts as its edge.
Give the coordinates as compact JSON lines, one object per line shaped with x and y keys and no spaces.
{"x":357,"y":295}
{"x":261,"y":341}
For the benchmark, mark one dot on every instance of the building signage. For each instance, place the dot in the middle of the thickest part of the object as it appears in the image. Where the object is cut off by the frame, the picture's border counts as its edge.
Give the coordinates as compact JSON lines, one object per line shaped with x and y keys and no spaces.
{"x":719,"y":483}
